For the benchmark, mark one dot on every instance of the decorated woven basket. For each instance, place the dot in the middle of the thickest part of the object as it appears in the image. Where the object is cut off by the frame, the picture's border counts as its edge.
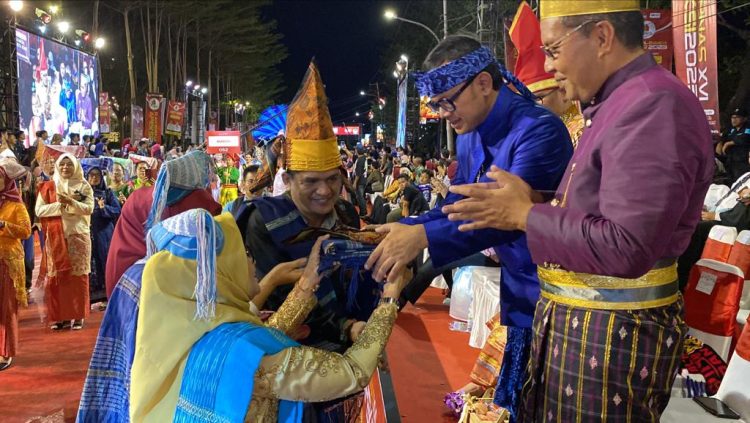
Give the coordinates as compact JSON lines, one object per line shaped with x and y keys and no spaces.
{"x":482,"y":410}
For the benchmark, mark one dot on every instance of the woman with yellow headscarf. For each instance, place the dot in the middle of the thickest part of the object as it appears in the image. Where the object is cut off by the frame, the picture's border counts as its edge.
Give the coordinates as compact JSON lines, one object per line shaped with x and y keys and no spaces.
{"x":210,"y":357}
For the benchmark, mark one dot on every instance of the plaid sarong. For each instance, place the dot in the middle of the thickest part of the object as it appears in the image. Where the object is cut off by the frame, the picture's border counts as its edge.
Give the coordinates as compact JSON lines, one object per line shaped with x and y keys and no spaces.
{"x":590,"y":365}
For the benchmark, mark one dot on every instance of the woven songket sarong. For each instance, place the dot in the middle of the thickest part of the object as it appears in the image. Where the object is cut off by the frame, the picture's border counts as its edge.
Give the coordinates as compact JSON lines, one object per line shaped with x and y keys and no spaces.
{"x":107,"y":387}
{"x":590,"y":363}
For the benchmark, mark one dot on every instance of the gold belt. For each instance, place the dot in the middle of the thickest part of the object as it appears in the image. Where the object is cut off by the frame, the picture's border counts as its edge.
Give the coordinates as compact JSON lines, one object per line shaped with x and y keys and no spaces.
{"x":657,"y":288}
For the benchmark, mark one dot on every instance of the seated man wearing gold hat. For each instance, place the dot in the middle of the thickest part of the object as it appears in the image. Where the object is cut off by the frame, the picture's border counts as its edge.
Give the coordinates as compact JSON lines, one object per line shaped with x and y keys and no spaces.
{"x":609,"y":329}
{"x":315,"y":182}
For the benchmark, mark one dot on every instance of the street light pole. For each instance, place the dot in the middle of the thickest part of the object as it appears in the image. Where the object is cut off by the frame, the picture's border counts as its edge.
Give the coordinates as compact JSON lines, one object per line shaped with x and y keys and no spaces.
{"x":389,"y":14}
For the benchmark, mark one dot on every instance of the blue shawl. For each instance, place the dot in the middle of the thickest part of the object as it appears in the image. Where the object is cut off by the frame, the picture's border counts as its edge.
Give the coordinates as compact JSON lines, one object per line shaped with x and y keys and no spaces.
{"x":217,"y":384}
{"x":351,"y":256}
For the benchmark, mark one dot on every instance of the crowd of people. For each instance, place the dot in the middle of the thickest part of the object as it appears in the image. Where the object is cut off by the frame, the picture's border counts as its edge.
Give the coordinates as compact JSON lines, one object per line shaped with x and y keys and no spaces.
{"x":291,"y":261}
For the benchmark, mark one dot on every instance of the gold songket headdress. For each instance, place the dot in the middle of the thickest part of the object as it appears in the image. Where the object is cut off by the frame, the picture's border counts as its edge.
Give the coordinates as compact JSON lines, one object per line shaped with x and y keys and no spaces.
{"x":559,"y":8}
{"x":310,"y":142}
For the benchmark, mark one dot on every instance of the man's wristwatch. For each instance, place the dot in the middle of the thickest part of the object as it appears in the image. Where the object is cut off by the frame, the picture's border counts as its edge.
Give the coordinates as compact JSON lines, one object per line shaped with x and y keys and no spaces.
{"x":388,"y":300}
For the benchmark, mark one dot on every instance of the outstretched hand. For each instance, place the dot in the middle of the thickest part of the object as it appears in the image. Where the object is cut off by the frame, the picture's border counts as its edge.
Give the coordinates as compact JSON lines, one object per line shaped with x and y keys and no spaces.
{"x":287,"y":272}
{"x":402,"y":245}
{"x":502,"y":204}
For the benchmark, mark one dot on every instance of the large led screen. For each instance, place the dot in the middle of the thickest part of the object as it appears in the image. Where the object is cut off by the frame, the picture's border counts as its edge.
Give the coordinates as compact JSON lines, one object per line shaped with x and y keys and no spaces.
{"x":58,"y":87}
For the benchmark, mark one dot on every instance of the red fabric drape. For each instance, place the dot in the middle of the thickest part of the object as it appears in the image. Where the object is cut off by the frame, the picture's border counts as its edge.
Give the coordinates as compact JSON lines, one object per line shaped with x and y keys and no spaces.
{"x":129,"y":239}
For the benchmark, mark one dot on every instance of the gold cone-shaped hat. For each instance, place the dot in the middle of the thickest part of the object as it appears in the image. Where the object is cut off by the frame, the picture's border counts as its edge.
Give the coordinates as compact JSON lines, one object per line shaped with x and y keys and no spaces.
{"x":310,"y":142}
{"x":558,"y":8}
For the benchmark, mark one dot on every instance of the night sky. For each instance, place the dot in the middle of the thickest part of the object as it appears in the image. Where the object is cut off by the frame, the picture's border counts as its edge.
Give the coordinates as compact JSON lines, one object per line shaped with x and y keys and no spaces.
{"x":347,"y":39}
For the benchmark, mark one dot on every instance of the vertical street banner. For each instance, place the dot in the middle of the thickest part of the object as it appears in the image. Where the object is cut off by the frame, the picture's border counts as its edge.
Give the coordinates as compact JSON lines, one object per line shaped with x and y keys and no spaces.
{"x":403,"y":83}
{"x":136,"y":123}
{"x":657,"y":35}
{"x":175,"y":118}
{"x":152,"y":128}
{"x":694,"y":27}
{"x":104,"y":117}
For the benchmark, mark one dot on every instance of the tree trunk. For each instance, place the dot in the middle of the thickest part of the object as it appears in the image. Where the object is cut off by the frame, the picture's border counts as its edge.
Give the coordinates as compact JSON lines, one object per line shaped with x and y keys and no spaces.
{"x":184,"y":50}
{"x":157,"y":42}
{"x":131,"y":74}
{"x":198,"y":51}
{"x":210,"y":93}
{"x":146,"y":33}
{"x":171,"y":61}
{"x":151,"y":38}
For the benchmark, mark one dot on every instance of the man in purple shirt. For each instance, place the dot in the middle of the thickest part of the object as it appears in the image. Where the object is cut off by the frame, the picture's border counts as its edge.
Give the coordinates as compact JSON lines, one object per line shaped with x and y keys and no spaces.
{"x":609,"y":327}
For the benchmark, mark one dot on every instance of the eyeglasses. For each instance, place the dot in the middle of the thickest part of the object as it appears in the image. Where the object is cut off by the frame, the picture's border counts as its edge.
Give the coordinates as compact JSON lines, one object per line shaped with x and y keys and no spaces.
{"x":551,"y":51}
{"x":448,"y":104}
{"x":540,"y":98}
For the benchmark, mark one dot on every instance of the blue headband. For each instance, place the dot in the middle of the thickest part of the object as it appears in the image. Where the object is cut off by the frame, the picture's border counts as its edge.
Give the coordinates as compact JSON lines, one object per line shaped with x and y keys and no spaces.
{"x":449,"y":75}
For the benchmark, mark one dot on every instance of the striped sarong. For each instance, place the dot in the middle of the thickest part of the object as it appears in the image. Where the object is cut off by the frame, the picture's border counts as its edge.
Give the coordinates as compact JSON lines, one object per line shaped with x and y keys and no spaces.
{"x":590,"y":365}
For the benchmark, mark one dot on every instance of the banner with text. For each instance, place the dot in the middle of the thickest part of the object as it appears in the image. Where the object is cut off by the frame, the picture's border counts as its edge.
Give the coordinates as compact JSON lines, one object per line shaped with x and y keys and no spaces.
{"x":175,"y":118}
{"x":657,"y":35}
{"x":152,"y":129}
{"x":104,"y":118}
{"x":136,"y":124}
{"x":223,"y":142}
{"x":695,"y":53}
{"x":346,"y":130}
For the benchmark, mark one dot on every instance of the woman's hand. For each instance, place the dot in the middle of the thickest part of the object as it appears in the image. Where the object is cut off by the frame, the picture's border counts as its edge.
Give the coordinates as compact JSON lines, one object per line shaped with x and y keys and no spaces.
{"x":356,"y":330}
{"x":310,"y":277}
{"x":64,"y":199}
{"x":286,"y":273}
{"x":392,"y":289}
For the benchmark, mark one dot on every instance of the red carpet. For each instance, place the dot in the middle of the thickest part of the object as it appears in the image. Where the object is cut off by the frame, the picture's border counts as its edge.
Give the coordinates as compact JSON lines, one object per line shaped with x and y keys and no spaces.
{"x":427,"y":360}
{"x":47,"y":375}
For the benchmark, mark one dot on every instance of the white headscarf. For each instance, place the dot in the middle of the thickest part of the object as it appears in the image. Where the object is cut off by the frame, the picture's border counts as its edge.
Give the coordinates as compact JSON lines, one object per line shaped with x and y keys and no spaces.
{"x":76,"y":182}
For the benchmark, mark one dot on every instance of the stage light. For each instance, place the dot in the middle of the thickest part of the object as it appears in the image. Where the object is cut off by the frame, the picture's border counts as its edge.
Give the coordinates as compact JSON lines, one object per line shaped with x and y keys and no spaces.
{"x":53,"y":9}
{"x":390,"y":14}
{"x":356,"y":114}
{"x":63,"y":26}
{"x":189,"y":84}
{"x":85,"y":36}
{"x":361,"y":93}
{"x":15,"y":5}
{"x":204,"y":90}
{"x":99,"y":42}
{"x":43,"y":16}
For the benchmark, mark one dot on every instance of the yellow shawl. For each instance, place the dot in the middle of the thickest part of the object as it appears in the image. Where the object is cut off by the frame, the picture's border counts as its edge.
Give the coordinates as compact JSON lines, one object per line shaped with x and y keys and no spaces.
{"x":166,"y":326}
